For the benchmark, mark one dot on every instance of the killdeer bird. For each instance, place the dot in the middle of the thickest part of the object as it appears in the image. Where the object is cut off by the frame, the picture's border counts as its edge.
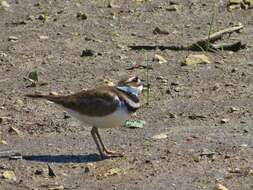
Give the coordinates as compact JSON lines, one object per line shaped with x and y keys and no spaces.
{"x":102,"y":107}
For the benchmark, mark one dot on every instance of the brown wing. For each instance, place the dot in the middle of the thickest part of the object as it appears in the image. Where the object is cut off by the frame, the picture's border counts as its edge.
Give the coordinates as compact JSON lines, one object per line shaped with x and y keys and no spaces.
{"x":97,"y":102}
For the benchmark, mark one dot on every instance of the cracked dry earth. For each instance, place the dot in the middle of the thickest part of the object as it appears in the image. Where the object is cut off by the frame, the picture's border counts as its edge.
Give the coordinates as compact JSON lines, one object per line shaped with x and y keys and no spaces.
{"x":203,"y":112}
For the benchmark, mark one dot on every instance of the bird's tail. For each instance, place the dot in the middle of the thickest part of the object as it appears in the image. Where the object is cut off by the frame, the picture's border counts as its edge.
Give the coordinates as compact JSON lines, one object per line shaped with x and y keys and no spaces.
{"x":36,"y":95}
{"x":53,"y":98}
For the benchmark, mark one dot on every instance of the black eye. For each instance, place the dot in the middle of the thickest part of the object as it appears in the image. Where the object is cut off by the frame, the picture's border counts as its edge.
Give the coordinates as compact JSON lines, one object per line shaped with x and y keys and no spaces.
{"x":136,"y":79}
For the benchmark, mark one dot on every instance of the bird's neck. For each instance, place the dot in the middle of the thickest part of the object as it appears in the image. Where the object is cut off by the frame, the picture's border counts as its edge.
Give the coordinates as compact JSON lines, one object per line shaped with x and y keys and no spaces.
{"x":130,"y":98}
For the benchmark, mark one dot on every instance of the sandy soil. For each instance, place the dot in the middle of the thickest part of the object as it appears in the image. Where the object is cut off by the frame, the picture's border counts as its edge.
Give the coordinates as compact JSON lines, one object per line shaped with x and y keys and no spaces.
{"x":205,"y":110}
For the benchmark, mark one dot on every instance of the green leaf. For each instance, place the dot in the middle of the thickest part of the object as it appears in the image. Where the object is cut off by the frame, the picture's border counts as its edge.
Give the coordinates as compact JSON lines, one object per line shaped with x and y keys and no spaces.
{"x":33,"y":76}
{"x":135,"y":124}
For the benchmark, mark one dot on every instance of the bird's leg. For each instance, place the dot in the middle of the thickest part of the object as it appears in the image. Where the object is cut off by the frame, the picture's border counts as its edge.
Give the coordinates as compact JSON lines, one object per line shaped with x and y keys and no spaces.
{"x":107,"y":153}
{"x":93,"y":134}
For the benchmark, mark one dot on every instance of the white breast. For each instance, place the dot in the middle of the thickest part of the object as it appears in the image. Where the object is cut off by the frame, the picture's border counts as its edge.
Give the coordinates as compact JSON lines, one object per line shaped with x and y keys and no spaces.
{"x":115,"y":119}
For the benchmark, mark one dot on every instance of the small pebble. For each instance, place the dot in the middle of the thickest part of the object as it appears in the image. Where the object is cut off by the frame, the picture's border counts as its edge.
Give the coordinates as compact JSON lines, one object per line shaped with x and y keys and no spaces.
{"x":233,"y":109}
{"x":12,"y":38}
{"x":66,"y":115}
{"x":54,"y":93}
{"x":243,"y":145}
{"x":39,"y":172}
{"x":3,"y":142}
{"x":220,"y":187}
{"x":82,"y":16}
{"x":4,"y":5}
{"x":43,"y":37}
{"x":14,"y":131}
{"x":223,"y":121}
{"x":216,"y":87}
{"x":10,"y":175}
{"x":87,"y":53}
{"x":172,"y":115}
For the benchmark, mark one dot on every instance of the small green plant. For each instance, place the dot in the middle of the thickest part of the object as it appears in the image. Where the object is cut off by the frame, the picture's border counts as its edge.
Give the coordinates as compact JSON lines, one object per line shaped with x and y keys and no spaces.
{"x":210,"y":29}
{"x":208,"y":46}
{"x":147,"y":79}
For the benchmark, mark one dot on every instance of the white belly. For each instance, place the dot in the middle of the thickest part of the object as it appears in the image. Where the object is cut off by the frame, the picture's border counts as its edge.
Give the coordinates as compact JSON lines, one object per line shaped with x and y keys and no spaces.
{"x":116,"y":119}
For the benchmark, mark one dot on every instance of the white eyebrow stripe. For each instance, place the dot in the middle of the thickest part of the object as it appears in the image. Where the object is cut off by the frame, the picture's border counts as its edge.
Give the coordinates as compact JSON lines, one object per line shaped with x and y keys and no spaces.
{"x":130,"y":79}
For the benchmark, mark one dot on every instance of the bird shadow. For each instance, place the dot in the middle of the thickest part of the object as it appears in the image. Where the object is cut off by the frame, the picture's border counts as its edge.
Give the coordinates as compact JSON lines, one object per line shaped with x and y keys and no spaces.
{"x":61,"y":158}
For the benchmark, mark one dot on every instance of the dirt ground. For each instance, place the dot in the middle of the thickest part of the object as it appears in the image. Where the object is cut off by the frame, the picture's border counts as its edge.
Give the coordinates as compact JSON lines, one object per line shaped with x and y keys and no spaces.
{"x":205,"y":110}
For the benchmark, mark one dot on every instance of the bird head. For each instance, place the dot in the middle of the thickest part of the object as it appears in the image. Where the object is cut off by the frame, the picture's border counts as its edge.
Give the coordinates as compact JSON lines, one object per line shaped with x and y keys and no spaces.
{"x":132,"y":85}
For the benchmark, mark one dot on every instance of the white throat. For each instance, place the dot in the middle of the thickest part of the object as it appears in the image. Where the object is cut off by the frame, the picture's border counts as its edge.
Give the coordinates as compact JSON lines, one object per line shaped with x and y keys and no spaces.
{"x":133,"y":90}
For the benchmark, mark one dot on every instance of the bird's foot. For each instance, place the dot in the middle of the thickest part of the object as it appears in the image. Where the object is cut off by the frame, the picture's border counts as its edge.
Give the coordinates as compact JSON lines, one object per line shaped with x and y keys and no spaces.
{"x":111,"y":154}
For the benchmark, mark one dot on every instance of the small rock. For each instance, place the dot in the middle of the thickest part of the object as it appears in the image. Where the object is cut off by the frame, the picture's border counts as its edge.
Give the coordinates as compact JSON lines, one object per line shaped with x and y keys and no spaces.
{"x":3,"y":142}
{"x":60,"y":11}
{"x":43,"y":17}
{"x":223,"y":121}
{"x":234,"y":6}
{"x":168,"y":91}
{"x":237,"y":4}
{"x":172,"y":7}
{"x":175,"y":83}
{"x":160,"y":136}
{"x":162,"y":79}
{"x":66,"y":115}
{"x":12,"y":38}
{"x":140,"y":1}
{"x":235,"y":1}
{"x":87,"y":52}
{"x":19,"y":103}
{"x":220,"y":187}
{"x":160,"y":59}
{"x":172,"y":115}
{"x":4,"y":5}
{"x":4,"y":119}
{"x":10,"y":175}
{"x":86,"y":169}
{"x":111,"y":4}
{"x":81,"y":15}
{"x":31,"y":18}
{"x":249,"y":3}
{"x":39,"y":172}
{"x":3,"y":55}
{"x":196,"y":116}
{"x":57,"y":187}
{"x":196,"y":158}
{"x":43,"y":37}
{"x":113,"y":172}
{"x":14,"y":131}
{"x":178,"y":89}
{"x":159,"y":30}
{"x":233,"y":109}
{"x":21,"y":22}
{"x":53,"y":93}
{"x":243,"y":145}
{"x":234,"y":170}
{"x":196,"y":59}
{"x":234,"y":70}
{"x":206,"y":152}
{"x":159,"y":78}
{"x":216,"y":86}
